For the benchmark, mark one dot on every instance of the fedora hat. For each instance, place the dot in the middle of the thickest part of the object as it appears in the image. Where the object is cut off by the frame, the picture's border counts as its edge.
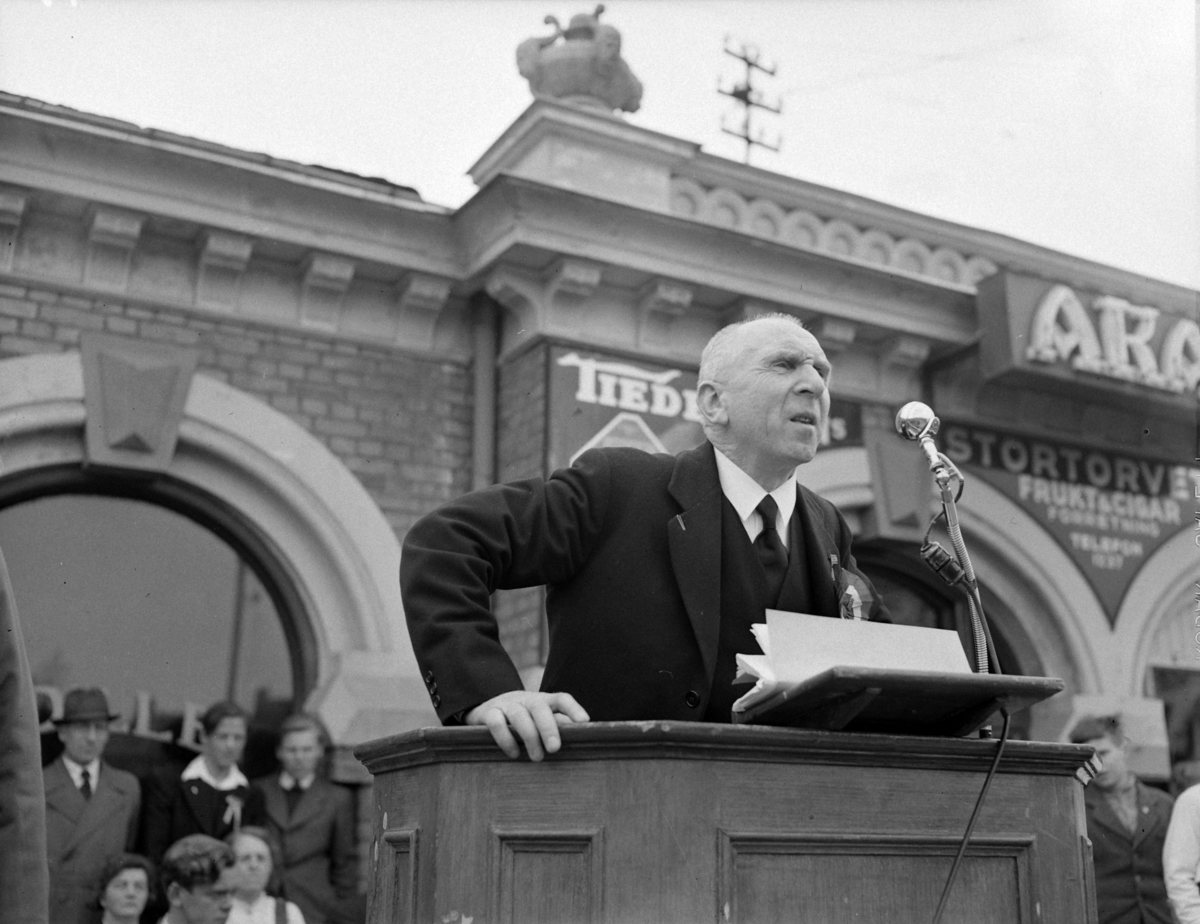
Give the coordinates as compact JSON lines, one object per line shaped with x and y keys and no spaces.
{"x":85,"y":705}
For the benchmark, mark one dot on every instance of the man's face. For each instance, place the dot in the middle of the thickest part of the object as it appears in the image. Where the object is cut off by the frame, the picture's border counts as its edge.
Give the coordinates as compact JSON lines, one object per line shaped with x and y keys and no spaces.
{"x":224,"y":746}
{"x":299,"y":752}
{"x":83,"y":742}
{"x":1113,"y":758}
{"x":776,"y":397}
{"x":205,"y":904}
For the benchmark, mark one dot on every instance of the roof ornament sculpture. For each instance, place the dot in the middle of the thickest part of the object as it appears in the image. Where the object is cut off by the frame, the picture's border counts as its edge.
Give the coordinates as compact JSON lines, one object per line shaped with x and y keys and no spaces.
{"x":585,"y":68}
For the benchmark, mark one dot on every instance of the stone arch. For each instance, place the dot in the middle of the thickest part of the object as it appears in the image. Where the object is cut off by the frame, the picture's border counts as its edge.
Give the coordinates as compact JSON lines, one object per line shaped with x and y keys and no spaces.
{"x":1165,"y":589}
{"x":254,"y":470}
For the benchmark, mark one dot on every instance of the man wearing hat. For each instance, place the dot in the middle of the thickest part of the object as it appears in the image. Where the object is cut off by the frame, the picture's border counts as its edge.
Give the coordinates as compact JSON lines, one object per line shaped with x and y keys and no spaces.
{"x":91,"y":807}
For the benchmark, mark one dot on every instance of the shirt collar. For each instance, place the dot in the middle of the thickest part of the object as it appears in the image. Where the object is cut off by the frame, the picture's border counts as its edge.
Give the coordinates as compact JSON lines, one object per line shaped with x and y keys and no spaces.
{"x":286,"y":780}
{"x":76,"y":770}
{"x":198,"y":770}
{"x":745,"y":494}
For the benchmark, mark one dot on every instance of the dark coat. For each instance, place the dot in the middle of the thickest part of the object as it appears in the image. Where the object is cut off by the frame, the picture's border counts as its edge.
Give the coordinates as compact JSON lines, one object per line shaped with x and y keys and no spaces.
{"x":23,"y":879}
{"x":175,"y":809}
{"x":1129,"y":873}
{"x":629,"y":545}
{"x":83,"y":834}
{"x":320,"y":855}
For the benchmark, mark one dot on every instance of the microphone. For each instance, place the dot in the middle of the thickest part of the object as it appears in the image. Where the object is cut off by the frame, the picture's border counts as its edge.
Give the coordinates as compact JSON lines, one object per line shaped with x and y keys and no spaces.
{"x":916,"y":421}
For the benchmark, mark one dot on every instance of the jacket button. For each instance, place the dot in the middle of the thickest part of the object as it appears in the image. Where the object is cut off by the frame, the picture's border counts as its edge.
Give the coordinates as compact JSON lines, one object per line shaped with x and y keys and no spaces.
{"x":437,"y":701}
{"x":429,"y":676}
{"x":692,"y":699}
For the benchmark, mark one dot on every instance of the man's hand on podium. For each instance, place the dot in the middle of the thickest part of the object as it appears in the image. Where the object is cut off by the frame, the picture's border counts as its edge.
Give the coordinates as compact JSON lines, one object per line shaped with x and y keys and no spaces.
{"x":534,"y":716}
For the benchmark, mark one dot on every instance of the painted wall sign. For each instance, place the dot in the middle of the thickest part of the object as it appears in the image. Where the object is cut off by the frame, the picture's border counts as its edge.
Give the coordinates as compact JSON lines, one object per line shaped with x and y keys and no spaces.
{"x":598,"y":399}
{"x":1109,"y":512}
{"x":1033,"y":323}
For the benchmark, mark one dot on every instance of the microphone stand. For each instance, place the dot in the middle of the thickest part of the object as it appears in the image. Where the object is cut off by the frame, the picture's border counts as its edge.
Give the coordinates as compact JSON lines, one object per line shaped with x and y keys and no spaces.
{"x":916,"y":421}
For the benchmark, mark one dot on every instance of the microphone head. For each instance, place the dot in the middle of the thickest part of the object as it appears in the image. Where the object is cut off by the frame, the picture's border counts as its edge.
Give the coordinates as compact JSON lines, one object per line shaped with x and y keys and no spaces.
{"x":916,"y":420}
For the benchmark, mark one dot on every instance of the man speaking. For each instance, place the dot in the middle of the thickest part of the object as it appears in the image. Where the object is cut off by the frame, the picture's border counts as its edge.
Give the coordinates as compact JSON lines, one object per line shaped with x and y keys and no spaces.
{"x":655,"y":565}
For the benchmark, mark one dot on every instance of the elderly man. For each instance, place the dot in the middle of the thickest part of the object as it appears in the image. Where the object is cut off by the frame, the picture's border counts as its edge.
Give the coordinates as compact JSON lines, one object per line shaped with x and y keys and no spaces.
{"x":198,"y":880}
{"x":91,"y":807}
{"x":1127,"y":825}
{"x":656,"y":565}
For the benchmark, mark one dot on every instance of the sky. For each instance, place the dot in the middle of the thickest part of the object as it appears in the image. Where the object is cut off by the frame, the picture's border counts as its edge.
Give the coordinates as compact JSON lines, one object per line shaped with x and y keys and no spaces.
{"x":1067,"y":123}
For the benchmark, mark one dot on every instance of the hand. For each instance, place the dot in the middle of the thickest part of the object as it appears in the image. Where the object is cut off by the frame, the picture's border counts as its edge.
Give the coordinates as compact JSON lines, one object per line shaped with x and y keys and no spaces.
{"x":534,"y":716}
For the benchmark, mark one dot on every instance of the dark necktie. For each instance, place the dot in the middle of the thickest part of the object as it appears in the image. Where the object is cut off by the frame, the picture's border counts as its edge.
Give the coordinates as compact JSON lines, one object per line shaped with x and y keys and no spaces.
{"x":86,"y":786}
{"x":292,"y":796}
{"x":770,"y":549}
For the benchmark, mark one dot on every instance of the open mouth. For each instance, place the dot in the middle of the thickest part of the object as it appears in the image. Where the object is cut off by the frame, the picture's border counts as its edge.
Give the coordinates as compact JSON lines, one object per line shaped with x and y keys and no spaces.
{"x":804,"y":418}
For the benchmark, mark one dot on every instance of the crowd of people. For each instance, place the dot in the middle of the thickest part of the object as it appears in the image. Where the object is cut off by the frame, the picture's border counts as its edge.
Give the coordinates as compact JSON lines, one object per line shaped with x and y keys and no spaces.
{"x":201,"y":846}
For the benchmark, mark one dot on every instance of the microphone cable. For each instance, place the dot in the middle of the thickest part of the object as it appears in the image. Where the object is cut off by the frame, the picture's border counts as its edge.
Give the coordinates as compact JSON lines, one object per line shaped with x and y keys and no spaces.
{"x":962,"y":847}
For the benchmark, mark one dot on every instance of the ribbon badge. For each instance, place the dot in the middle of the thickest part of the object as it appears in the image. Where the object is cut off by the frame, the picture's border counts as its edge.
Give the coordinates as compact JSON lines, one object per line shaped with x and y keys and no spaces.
{"x":233,"y":812}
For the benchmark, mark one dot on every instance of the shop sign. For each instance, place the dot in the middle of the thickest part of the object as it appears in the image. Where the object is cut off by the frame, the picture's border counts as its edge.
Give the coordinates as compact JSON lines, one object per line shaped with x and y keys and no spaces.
{"x":1050,"y":325}
{"x":598,"y":399}
{"x":1110,"y":512}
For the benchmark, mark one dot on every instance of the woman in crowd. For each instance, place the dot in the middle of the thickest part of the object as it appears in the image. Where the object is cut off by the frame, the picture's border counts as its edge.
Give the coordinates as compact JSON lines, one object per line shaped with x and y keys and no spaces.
{"x":125,"y":888}
{"x":257,"y":856}
{"x":211,"y":796}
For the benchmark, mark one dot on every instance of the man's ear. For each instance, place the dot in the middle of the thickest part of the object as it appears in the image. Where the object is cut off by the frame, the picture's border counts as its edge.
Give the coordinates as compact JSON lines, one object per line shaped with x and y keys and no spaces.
{"x":710,"y":401}
{"x":175,"y":894}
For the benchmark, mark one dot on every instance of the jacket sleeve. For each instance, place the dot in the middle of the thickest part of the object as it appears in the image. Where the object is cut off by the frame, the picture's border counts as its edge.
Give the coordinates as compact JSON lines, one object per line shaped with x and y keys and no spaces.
{"x":1181,"y":857}
{"x":135,"y":813}
{"x":156,"y":815}
{"x":24,"y":879}
{"x":521,"y":534}
{"x":343,"y":859}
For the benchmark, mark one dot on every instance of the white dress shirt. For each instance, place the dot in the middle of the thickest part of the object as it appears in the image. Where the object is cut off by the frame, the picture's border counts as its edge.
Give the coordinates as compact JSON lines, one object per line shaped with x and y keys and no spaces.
{"x":287,"y":781}
{"x":745,"y":494}
{"x":76,"y":771}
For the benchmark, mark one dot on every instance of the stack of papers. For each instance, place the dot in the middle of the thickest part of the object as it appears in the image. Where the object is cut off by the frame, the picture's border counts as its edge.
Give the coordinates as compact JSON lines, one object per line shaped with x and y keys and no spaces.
{"x":799,"y":646}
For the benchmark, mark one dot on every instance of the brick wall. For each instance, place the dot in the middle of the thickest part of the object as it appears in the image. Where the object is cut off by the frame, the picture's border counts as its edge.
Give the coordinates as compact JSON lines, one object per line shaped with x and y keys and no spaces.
{"x":401,"y":423}
{"x":521,"y":453}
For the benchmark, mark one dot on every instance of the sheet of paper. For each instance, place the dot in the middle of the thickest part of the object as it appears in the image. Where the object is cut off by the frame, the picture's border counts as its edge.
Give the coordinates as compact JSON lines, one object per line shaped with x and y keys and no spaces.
{"x":803,"y":645}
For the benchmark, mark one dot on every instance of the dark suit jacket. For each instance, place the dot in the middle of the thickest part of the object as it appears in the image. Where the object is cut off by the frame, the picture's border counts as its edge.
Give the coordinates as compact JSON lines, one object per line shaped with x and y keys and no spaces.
{"x":23,"y":884}
{"x":175,"y":809}
{"x":629,"y":545}
{"x":320,"y":856}
{"x":1129,"y":873}
{"x":83,"y":834}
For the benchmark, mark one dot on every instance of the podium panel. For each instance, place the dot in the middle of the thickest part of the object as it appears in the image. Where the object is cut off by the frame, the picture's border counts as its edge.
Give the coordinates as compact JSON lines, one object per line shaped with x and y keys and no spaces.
{"x":689,"y":822}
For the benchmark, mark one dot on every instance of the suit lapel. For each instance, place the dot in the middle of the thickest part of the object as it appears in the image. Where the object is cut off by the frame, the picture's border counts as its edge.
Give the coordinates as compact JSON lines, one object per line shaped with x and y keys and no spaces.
{"x":105,"y":800}
{"x":1105,"y":817}
{"x":818,"y":544}
{"x":309,"y":805}
{"x":693,"y":537}
{"x":275,"y":802}
{"x":62,"y":796}
{"x":1147,"y":817}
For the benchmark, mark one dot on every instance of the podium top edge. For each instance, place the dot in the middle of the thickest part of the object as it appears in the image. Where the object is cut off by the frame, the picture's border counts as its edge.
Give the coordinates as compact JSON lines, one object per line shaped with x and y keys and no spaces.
{"x":750,"y":743}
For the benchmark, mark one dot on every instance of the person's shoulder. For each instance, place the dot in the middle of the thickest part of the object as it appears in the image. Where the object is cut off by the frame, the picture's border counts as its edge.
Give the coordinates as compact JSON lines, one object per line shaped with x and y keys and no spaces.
{"x":1156,"y":796}
{"x":625,"y":457}
{"x":121,"y":779}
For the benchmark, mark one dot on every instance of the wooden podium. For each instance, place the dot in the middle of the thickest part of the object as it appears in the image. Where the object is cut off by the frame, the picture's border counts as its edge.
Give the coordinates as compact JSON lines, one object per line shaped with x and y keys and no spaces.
{"x":664,"y":822}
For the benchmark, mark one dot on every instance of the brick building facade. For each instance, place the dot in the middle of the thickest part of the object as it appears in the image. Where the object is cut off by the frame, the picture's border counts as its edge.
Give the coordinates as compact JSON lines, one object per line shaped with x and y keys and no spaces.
{"x":350,"y":356}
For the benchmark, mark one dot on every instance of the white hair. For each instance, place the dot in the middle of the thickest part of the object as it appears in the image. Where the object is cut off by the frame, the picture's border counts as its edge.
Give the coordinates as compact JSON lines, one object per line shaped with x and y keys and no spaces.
{"x":721,"y":349}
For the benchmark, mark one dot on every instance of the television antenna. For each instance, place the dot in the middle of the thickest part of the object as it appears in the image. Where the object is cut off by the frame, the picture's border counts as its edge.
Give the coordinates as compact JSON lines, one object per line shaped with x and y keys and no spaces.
{"x":749,"y":98}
